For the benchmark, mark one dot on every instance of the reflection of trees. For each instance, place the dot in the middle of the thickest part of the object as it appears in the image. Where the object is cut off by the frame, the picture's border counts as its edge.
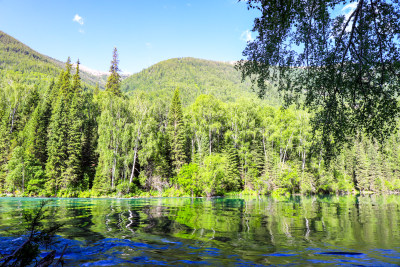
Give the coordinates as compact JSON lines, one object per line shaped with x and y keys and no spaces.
{"x":240,"y":224}
{"x":291,"y":222}
{"x":117,"y":219}
{"x":78,"y":217}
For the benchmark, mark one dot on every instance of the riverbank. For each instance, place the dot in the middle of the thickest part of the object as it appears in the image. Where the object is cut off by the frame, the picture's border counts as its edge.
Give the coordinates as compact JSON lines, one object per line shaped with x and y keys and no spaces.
{"x":173,"y":192}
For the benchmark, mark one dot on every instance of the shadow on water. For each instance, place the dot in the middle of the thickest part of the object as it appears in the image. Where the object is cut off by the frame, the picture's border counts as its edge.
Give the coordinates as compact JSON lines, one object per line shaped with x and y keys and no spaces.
{"x":350,"y":230}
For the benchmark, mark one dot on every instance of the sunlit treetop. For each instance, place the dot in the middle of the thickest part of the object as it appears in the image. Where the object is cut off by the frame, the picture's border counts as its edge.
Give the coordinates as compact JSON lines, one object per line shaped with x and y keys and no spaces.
{"x":114,"y":80}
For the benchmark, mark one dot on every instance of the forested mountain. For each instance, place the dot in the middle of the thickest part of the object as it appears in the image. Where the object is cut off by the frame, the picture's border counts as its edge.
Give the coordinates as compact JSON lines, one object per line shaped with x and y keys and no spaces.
{"x":181,"y":127}
{"x":30,"y":67}
{"x":193,"y":77}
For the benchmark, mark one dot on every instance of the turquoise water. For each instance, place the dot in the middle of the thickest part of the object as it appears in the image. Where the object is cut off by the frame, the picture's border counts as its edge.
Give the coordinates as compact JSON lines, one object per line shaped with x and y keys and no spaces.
{"x":325,"y":231}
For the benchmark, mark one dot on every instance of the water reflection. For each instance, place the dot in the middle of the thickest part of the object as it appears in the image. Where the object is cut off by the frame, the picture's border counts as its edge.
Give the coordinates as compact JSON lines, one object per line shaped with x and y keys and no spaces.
{"x":180,"y":231}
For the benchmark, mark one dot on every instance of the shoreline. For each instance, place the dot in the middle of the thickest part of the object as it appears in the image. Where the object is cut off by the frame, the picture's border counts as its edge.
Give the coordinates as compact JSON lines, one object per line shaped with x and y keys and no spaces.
{"x":238,"y":195}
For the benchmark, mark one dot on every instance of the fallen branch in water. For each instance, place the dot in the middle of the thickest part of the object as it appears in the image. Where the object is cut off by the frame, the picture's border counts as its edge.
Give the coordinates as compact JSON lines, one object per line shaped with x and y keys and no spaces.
{"x":15,"y":254}
{"x":38,"y":235}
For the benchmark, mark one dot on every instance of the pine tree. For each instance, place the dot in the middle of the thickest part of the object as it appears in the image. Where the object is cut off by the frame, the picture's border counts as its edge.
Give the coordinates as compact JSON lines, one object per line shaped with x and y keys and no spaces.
{"x":114,"y":80}
{"x":258,"y":159}
{"x":361,"y":167}
{"x":73,"y":172}
{"x":31,"y":102}
{"x":89,"y":157}
{"x":76,"y":83}
{"x":256,"y":164}
{"x":57,"y":146}
{"x":65,"y":82}
{"x":96,"y":89}
{"x":176,"y":133}
{"x":36,"y":133}
{"x":16,"y":170}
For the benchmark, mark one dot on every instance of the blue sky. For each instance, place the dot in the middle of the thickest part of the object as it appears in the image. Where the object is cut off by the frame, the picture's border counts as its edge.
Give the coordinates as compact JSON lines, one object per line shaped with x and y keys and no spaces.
{"x":144,"y":32}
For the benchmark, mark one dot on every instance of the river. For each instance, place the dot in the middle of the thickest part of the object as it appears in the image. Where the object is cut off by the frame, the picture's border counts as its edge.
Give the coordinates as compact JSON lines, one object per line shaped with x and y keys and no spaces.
{"x":328,"y":230}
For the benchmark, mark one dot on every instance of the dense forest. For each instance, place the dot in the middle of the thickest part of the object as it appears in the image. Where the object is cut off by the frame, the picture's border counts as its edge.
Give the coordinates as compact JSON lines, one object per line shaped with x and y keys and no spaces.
{"x":193,"y":77}
{"x":184,"y":127}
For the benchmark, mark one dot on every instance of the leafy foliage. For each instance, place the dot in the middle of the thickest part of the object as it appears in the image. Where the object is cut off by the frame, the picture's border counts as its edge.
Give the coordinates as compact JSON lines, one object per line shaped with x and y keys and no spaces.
{"x":346,"y":67}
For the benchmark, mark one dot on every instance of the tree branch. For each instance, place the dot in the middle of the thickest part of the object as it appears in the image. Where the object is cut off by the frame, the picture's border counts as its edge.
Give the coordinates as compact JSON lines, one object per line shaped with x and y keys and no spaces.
{"x":352,"y":31}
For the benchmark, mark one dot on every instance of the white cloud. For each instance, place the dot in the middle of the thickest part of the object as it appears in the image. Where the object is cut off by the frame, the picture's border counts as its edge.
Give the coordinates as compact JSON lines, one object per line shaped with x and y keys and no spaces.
{"x":347,"y":10}
{"x":350,"y":6}
{"x":148,"y":45}
{"x":246,"y":36}
{"x":81,"y":31}
{"x":78,"y":19}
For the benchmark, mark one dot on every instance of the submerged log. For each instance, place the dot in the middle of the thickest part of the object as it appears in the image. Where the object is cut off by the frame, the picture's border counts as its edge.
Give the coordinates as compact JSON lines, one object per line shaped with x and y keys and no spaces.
{"x":47,"y":260}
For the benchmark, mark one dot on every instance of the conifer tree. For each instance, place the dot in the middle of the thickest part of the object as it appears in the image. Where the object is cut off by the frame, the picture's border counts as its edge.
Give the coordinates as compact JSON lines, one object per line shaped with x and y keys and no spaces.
{"x":256,"y":163}
{"x":96,"y":89}
{"x":114,"y":80}
{"x":76,"y":83}
{"x":89,"y":155}
{"x":72,"y":173}
{"x":361,"y":167}
{"x":31,"y":102}
{"x":16,"y":170}
{"x":36,"y":132}
{"x":258,"y":160}
{"x":57,"y":146}
{"x":176,"y":132}
{"x":65,"y":82}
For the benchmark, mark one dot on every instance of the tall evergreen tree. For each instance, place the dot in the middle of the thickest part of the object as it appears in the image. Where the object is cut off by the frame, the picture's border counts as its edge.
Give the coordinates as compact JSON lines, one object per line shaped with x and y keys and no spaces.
{"x":114,"y":80}
{"x":76,"y":83}
{"x":35,"y":132}
{"x":57,"y":146}
{"x":361,"y":167}
{"x":73,"y":172}
{"x":176,"y":132}
{"x":65,"y":82}
{"x":96,"y":89}
{"x":89,"y":140}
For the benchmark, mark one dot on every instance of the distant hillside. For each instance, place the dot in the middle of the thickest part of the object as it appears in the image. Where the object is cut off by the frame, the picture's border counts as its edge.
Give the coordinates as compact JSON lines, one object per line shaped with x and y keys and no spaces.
{"x":193,"y":77}
{"x":30,"y":66}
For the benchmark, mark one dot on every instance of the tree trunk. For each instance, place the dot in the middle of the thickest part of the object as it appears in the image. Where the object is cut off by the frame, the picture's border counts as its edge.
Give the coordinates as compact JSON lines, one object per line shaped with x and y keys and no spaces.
{"x":133,"y":166}
{"x":113,"y":172}
{"x":209,"y":139}
{"x":12,"y":118}
{"x":23,"y":178}
{"x":284,"y":154}
{"x":265,"y":150}
{"x":114,"y":167}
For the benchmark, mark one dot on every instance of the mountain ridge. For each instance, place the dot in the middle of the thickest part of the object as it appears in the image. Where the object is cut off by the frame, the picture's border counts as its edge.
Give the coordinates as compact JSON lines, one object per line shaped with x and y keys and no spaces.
{"x":19,"y":57}
{"x":193,"y":77}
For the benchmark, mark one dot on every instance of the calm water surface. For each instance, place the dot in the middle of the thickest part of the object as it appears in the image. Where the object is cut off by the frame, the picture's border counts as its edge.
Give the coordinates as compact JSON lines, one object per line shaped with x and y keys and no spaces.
{"x":329,"y":231}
